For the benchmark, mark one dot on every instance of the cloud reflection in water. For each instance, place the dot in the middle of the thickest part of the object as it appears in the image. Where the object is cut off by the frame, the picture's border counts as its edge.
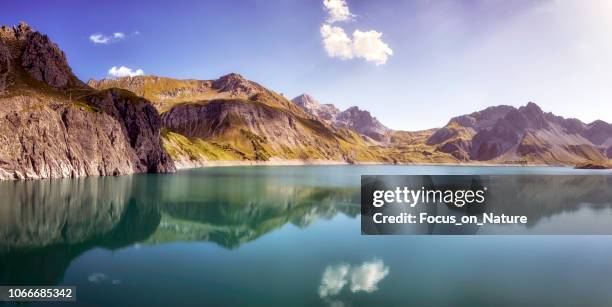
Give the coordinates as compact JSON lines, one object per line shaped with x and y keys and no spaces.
{"x":363,"y":278}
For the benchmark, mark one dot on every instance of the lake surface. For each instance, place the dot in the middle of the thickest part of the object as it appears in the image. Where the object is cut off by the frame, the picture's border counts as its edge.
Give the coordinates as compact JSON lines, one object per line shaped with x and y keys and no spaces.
{"x":290,"y":236}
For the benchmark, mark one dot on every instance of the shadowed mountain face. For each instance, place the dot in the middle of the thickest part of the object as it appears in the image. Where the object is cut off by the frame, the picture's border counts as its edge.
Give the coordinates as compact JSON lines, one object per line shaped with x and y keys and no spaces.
{"x":524,"y":135}
{"x":53,"y":125}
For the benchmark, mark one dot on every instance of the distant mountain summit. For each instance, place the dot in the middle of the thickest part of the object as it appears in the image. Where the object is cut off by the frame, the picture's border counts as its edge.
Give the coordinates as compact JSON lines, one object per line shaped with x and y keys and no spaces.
{"x":352,"y":118}
{"x":326,"y":112}
{"x":525,"y":135}
{"x":363,"y":122}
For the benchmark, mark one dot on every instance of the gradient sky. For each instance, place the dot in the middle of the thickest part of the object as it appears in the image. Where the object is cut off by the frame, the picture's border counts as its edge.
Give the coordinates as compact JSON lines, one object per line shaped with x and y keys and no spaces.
{"x":449,"y":57}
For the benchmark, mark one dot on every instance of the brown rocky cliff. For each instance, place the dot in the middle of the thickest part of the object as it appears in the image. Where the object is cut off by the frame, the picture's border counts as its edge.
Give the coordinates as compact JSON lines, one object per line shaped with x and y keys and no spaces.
{"x":141,"y":127}
{"x":5,"y":59}
{"x":52,"y":125}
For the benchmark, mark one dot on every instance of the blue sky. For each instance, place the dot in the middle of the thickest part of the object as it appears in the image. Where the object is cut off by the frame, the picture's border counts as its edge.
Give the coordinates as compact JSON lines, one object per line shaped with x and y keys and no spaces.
{"x":448,"y":57}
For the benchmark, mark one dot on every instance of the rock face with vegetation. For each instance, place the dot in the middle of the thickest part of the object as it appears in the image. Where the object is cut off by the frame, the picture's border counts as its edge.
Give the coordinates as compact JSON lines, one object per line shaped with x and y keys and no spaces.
{"x":256,"y":125}
{"x":52,"y":125}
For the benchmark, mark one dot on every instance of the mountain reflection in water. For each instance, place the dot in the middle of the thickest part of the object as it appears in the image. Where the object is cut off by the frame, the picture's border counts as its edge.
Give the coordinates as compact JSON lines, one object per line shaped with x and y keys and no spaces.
{"x":46,"y":224}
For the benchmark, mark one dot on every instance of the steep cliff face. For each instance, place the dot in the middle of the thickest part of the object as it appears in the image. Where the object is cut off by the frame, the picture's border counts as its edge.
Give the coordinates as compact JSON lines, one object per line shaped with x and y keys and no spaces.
{"x":45,"y":62}
{"x":141,"y":125}
{"x":5,"y":58}
{"x":52,"y":125}
{"x":53,"y":140}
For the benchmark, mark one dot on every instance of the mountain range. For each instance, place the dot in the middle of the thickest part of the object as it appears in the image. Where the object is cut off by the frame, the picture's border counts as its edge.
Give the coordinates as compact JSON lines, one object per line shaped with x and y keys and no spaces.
{"x":352,"y":118}
{"x":54,"y":125}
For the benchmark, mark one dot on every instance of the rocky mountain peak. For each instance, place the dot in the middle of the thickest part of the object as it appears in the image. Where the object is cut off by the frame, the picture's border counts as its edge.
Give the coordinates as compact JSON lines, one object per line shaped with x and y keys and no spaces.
{"x":532,"y":109}
{"x":40,"y":57}
{"x":232,"y":77}
{"x":13,"y":37}
{"x":599,"y":132}
{"x":599,"y":124}
{"x":529,"y":116}
{"x":230,"y":80}
{"x":22,"y":29}
{"x":236,"y":85}
{"x":352,"y":118}
{"x":363,"y":122}
{"x":324,"y":112}
{"x":306,"y":102}
{"x":45,"y":62}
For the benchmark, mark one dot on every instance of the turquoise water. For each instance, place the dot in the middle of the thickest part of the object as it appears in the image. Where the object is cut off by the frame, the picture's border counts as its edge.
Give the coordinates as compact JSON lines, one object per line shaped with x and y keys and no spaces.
{"x":290,"y":236}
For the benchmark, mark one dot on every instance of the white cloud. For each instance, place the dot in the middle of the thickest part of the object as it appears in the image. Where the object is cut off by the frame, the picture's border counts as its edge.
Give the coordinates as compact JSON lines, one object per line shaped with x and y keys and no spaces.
{"x":99,"y":38}
{"x":367,"y":276}
{"x":122,"y":71}
{"x":336,"y":42}
{"x":337,"y":10}
{"x":334,"y":279}
{"x":367,"y":45}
